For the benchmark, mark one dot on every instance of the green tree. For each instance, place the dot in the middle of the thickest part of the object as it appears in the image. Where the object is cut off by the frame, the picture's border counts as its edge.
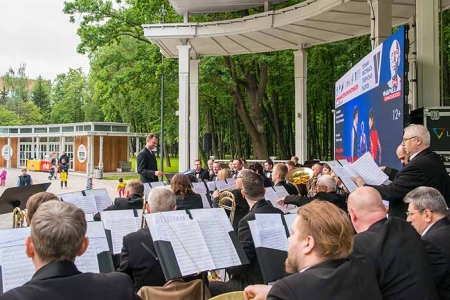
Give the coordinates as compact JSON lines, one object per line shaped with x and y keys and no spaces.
{"x":41,"y":96}
{"x":16,"y":83}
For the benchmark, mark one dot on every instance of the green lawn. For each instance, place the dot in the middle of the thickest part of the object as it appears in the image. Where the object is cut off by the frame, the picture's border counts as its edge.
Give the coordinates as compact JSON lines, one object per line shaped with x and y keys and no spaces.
{"x":172,"y":169}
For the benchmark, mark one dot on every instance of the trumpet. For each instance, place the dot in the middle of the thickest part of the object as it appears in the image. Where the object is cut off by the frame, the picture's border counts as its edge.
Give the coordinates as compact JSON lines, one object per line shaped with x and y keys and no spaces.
{"x":19,"y":218}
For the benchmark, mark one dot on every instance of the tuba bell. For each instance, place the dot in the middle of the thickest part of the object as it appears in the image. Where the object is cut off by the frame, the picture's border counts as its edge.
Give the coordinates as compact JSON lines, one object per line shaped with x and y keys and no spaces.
{"x":299,"y":175}
{"x":227,"y":201}
{"x":19,"y":218}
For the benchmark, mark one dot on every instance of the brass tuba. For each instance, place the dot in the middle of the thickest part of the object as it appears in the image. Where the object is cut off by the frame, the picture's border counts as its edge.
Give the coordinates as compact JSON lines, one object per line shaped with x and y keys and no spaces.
{"x":224,"y":201}
{"x":19,"y":218}
{"x":299,"y":175}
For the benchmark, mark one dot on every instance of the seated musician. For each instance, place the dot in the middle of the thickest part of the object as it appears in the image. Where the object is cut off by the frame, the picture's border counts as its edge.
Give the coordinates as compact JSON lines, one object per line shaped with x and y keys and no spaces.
{"x":36,"y":200}
{"x":253,"y":191}
{"x":134,"y":192}
{"x":279,"y":178}
{"x":57,"y":237}
{"x":242,"y":207}
{"x":319,"y":261}
{"x":138,"y":261}
{"x":326,"y":190}
{"x":186,"y":197}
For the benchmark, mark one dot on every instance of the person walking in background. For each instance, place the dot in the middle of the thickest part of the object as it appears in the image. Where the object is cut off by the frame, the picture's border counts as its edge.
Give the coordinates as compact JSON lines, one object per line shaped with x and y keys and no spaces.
{"x":3,"y":177}
{"x":121,"y":187}
{"x":64,"y":168}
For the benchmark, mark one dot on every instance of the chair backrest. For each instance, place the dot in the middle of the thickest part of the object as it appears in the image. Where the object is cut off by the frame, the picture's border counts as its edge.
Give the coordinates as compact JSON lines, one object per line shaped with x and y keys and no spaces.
{"x":239,"y":295}
{"x":175,"y":290}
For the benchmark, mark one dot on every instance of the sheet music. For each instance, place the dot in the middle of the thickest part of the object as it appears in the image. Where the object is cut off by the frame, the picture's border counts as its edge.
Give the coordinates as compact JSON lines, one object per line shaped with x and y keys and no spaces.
{"x":13,"y":236}
{"x":17,"y":268}
{"x":156,"y":183}
{"x":120,"y":228}
{"x":96,"y":234}
{"x":343,"y":175}
{"x":190,"y":247}
{"x":343,"y":162}
{"x":102,"y":198}
{"x":211,"y":185}
{"x":156,"y":223}
{"x":272,"y":196}
{"x":369,"y":170}
{"x":218,"y":213}
{"x":351,"y":171}
{"x":231,"y":182}
{"x":281,"y":191}
{"x":205,"y":201}
{"x":88,"y":262}
{"x":147,"y":189}
{"x":115,"y":214}
{"x":87,"y":204}
{"x":221,"y":185}
{"x":289,"y":219}
{"x":199,"y":188}
{"x":89,"y":217}
{"x":70,"y":197}
{"x":264,"y":221}
{"x":219,"y":243}
{"x":274,"y":238}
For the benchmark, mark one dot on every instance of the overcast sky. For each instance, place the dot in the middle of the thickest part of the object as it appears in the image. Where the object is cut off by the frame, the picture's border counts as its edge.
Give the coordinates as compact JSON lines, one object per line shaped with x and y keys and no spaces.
{"x":36,"y":32}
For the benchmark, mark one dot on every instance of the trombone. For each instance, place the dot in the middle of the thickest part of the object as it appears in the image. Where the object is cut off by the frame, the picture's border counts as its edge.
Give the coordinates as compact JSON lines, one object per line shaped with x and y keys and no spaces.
{"x":228,"y":201}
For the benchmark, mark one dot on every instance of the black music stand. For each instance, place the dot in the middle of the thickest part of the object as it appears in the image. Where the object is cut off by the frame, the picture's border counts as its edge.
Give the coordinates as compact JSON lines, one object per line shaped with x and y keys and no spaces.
{"x":18,"y":196}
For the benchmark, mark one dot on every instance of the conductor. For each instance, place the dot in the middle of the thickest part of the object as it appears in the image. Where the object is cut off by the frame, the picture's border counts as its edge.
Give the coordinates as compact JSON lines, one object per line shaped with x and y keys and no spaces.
{"x":146,"y":161}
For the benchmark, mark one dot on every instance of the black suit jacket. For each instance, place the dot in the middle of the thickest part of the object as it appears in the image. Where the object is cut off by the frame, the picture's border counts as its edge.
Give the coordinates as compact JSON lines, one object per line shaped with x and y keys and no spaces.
{"x":146,"y":166}
{"x":142,"y":266}
{"x":135,"y":201}
{"x":437,"y":243}
{"x":62,"y":280}
{"x":343,"y":279}
{"x":426,"y":169}
{"x":192,"y":201}
{"x":332,"y":197}
{"x":400,"y":260}
{"x":202,"y":175}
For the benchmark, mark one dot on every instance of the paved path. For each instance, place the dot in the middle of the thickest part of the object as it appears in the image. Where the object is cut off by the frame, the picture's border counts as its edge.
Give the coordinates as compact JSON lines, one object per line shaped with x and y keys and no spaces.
{"x":76,"y":182}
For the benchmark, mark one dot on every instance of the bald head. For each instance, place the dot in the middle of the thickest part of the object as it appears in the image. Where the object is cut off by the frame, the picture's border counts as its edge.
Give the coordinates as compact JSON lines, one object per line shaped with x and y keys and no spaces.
{"x":365,"y":207}
{"x":402,"y":155}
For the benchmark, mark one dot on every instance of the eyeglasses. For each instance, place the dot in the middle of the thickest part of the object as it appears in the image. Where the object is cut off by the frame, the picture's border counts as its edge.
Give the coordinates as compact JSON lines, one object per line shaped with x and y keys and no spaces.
{"x":411,"y":213}
{"x":407,"y":139}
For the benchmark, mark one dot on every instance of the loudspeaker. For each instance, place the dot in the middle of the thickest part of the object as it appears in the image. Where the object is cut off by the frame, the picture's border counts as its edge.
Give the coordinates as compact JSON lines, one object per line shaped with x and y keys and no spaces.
{"x":207,"y":142}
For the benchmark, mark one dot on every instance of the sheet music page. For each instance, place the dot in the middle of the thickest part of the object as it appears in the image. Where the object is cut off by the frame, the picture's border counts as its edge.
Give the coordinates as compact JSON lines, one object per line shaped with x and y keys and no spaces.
{"x":115,"y":214}
{"x":89,"y":217}
{"x":231,"y":183}
{"x":343,"y":162}
{"x":343,"y":175}
{"x":120,"y":228}
{"x":205,"y":201}
{"x":281,"y":191}
{"x":274,"y":238}
{"x":255,"y":233}
{"x":157,"y":223}
{"x":218,"y":213}
{"x":102,"y":198}
{"x":190,"y":247}
{"x":264,"y":221}
{"x":199,"y":188}
{"x":289,"y":219}
{"x":13,"y":237}
{"x":272,"y":196}
{"x":351,"y":171}
{"x":211,"y":185}
{"x":96,"y":234}
{"x":147,"y":189}
{"x":369,"y":170}
{"x":88,"y":262}
{"x":156,"y":183}
{"x":221,"y":185}
{"x":17,"y":268}
{"x":70,"y":197}
{"x":87,"y":204}
{"x":219,"y":243}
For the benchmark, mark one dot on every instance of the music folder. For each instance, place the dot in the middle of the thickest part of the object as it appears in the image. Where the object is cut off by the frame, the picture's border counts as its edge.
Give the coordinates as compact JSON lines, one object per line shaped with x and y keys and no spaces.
{"x":18,"y":196}
{"x":270,"y":238}
{"x":188,"y":246}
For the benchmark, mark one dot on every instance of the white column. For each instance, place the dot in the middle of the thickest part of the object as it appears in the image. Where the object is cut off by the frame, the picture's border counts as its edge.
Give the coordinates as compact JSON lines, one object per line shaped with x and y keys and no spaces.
{"x":91,"y":151}
{"x":88,"y":154}
{"x":183,"y":102}
{"x":38,"y":150}
{"x":301,"y":129}
{"x":100,"y":157}
{"x":428,"y":92}
{"x":137,"y":152}
{"x":63,"y":144}
{"x":381,"y":20}
{"x":8,"y":162}
{"x":33,"y":153}
{"x":193,"y":100}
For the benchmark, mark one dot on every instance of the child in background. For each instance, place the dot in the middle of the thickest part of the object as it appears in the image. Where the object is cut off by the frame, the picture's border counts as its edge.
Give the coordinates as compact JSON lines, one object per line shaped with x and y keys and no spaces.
{"x":121,"y":187}
{"x":64,"y":169}
{"x":89,"y":183}
{"x":3,"y":177}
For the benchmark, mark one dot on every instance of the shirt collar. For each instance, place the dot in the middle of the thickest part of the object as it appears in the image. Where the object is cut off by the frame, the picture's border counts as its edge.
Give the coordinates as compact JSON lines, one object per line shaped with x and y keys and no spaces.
{"x":426,"y":229}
